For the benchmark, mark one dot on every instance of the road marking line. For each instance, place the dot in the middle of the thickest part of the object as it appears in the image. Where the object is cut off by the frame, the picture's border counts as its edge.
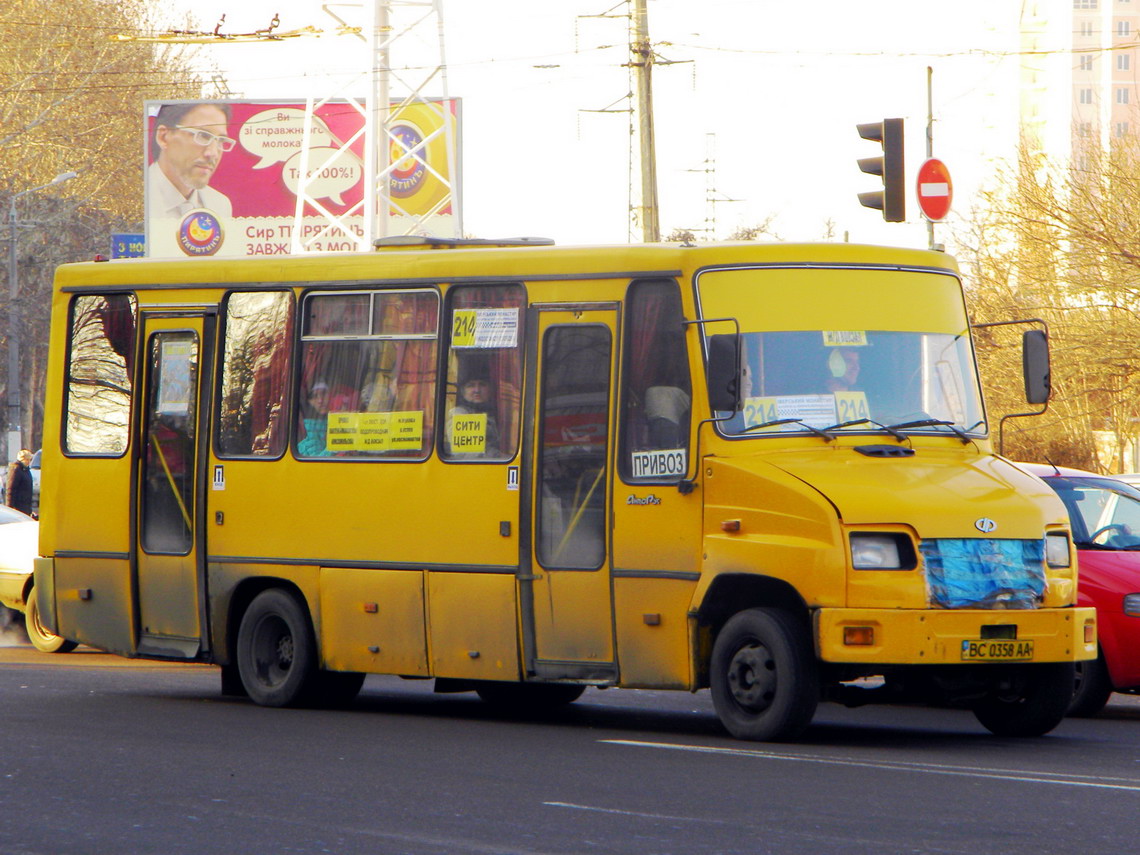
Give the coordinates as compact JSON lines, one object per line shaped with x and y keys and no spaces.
{"x":1025,"y":776}
{"x":634,"y":813}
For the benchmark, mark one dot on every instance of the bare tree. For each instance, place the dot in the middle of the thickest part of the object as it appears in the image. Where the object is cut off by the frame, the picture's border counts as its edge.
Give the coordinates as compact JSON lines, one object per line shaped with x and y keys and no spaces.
{"x":1061,"y":242}
{"x":71,"y":99}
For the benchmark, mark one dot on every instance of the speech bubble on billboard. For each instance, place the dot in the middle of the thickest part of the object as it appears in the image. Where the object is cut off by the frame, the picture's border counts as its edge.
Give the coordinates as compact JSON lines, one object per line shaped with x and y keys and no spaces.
{"x":276,"y":135}
{"x":331,"y":173}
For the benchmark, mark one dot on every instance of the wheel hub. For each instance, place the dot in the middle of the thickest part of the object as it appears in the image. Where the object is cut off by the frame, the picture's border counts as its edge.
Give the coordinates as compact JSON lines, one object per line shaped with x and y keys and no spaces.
{"x":752,"y":677}
{"x":285,"y":651}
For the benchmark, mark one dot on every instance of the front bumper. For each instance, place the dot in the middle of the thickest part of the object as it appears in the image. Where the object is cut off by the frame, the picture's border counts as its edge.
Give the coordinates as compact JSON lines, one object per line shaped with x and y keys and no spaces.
{"x":935,"y":637}
{"x":12,"y":584}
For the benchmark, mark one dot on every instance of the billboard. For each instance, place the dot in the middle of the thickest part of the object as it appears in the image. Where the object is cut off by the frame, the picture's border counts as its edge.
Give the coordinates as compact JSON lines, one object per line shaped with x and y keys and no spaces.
{"x":222,"y":177}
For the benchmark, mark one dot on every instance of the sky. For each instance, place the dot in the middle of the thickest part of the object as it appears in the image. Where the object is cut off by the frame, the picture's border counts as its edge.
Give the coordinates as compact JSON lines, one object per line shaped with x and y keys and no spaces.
{"x":773,"y":90}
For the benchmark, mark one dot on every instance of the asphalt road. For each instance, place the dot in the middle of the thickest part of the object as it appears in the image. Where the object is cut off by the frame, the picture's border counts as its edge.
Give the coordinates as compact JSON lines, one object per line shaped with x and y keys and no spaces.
{"x":105,"y":755}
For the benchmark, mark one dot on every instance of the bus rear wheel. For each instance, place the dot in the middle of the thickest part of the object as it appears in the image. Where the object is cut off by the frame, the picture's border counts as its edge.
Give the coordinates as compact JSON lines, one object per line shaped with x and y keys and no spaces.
{"x":42,"y":638}
{"x":276,"y":651}
{"x":1030,"y":702}
{"x":763,"y":676}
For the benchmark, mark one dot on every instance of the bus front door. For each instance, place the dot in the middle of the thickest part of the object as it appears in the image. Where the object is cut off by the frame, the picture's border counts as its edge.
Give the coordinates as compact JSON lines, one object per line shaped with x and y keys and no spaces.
{"x":169,"y":490}
{"x":567,"y":603}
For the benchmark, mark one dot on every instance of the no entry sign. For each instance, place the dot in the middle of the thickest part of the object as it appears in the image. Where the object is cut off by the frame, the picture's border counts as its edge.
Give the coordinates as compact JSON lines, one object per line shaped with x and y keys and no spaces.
{"x":935,"y":190}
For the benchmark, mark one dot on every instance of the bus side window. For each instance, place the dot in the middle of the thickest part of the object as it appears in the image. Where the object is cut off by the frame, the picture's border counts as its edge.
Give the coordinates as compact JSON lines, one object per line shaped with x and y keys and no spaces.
{"x":256,"y":367}
{"x":100,"y":374}
{"x":484,"y":373}
{"x":368,"y":374}
{"x":657,"y":393}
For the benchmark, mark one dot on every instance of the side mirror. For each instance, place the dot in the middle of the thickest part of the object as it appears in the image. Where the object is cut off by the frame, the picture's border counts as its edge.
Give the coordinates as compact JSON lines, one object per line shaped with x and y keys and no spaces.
{"x":724,"y":372}
{"x":1035,"y":366}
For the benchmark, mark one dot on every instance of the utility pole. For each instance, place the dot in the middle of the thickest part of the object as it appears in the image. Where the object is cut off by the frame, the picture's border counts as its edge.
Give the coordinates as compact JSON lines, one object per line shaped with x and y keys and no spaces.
{"x":645,"y":212}
{"x":712,"y":195}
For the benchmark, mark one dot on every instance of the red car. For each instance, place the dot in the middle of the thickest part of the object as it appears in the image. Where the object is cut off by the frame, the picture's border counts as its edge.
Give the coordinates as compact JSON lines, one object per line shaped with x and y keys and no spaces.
{"x":1105,"y":516}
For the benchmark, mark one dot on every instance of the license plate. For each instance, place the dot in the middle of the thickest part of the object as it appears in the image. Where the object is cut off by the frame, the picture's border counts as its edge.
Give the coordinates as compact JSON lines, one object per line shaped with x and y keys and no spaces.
{"x":996,"y":650}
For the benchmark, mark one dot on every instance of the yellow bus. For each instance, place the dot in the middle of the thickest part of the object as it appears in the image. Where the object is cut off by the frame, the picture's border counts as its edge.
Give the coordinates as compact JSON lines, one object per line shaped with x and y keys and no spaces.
{"x":522,"y":470}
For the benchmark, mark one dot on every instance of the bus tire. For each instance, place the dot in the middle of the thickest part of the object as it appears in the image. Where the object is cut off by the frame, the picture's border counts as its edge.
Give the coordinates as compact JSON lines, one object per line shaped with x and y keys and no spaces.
{"x":1031,"y":703}
{"x":42,"y":638}
{"x":1094,"y":688}
{"x":276,"y":651}
{"x":763,"y":676}
{"x":528,"y":698}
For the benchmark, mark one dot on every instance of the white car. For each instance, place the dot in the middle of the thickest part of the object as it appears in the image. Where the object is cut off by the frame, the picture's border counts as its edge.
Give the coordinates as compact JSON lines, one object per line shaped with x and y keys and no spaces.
{"x":19,"y":543}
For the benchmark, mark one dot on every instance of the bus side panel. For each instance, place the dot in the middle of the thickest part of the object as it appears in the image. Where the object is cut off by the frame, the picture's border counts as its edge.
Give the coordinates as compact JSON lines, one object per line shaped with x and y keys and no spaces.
{"x":93,"y":602}
{"x":653,"y":632}
{"x":473,"y":625}
{"x":373,"y":621}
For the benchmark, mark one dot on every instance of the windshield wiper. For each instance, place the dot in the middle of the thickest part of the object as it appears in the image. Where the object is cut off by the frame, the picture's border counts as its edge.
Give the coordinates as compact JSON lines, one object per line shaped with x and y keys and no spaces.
{"x":899,"y":435}
{"x":918,"y":423}
{"x":827,"y":437}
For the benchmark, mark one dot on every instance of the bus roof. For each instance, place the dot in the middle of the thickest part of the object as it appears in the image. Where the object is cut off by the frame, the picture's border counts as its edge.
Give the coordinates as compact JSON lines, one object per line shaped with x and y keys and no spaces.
{"x":416,"y":259}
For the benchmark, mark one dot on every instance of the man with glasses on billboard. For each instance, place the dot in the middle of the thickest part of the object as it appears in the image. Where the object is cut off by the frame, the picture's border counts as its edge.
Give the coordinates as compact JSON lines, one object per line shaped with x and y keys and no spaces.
{"x":189,"y":139}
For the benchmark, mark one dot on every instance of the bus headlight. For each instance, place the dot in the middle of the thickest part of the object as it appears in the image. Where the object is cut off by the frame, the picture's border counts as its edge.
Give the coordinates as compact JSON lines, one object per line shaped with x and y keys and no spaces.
{"x":881,"y":551}
{"x":1057,"y":549}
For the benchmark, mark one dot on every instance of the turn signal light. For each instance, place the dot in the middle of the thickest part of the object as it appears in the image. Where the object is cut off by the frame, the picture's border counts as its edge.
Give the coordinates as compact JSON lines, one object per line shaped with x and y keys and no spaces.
{"x":861,"y":636}
{"x":1090,"y":632}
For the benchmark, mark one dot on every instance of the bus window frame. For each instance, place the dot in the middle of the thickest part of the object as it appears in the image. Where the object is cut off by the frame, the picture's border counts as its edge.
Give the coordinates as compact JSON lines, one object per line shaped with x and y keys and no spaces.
{"x":219,"y":372}
{"x":622,"y":445}
{"x":300,"y":338}
{"x":132,"y":295}
{"x":447,"y":321}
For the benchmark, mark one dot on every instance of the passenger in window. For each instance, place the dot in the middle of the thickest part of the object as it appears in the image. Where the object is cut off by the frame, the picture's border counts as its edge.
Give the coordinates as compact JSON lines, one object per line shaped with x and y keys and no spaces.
{"x":843,"y":369}
{"x":472,"y":429}
{"x":667,"y":398}
{"x":379,"y":395}
{"x":314,"y":419}
{"x":667,"y":403}
{"x":343,"y":399}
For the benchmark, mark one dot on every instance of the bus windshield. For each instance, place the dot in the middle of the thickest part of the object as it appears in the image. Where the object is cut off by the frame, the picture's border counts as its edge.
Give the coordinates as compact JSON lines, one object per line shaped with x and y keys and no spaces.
{"x":856,"y":379}
{"x":854,"y":350}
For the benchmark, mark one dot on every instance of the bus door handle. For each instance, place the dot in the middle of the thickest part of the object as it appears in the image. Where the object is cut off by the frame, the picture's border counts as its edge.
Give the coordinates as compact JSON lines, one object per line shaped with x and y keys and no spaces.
{"x":531,"y":578}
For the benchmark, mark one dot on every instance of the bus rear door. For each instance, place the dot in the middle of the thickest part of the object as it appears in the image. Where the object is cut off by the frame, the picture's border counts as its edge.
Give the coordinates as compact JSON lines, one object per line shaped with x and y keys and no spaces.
{"x":568,"y":606}
{"x":170,"y":563}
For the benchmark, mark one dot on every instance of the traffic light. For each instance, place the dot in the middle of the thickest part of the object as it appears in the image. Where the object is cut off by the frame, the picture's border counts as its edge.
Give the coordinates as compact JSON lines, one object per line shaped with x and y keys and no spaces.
{"x":891,"y":200}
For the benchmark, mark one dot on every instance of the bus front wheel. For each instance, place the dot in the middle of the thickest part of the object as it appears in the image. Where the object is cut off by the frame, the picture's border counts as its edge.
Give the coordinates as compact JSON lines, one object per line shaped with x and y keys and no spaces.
{"x":276,"y":651}
{"x":1094,"y":688}
{"x":763,"y":676}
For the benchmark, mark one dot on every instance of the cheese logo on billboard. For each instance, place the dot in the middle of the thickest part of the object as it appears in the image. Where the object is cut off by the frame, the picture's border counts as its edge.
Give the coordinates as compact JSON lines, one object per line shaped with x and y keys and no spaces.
{"x":408,"y":155}
{"x":200,"y":233}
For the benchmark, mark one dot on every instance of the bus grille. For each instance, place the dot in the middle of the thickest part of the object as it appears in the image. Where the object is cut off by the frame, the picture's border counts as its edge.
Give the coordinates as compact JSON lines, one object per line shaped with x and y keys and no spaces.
{"x":982,"y":573}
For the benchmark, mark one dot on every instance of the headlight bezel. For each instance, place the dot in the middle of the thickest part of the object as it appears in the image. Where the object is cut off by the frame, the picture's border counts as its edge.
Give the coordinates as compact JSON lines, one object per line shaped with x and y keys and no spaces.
{"x":882,"y":550}
{"x":1058,"y":550}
